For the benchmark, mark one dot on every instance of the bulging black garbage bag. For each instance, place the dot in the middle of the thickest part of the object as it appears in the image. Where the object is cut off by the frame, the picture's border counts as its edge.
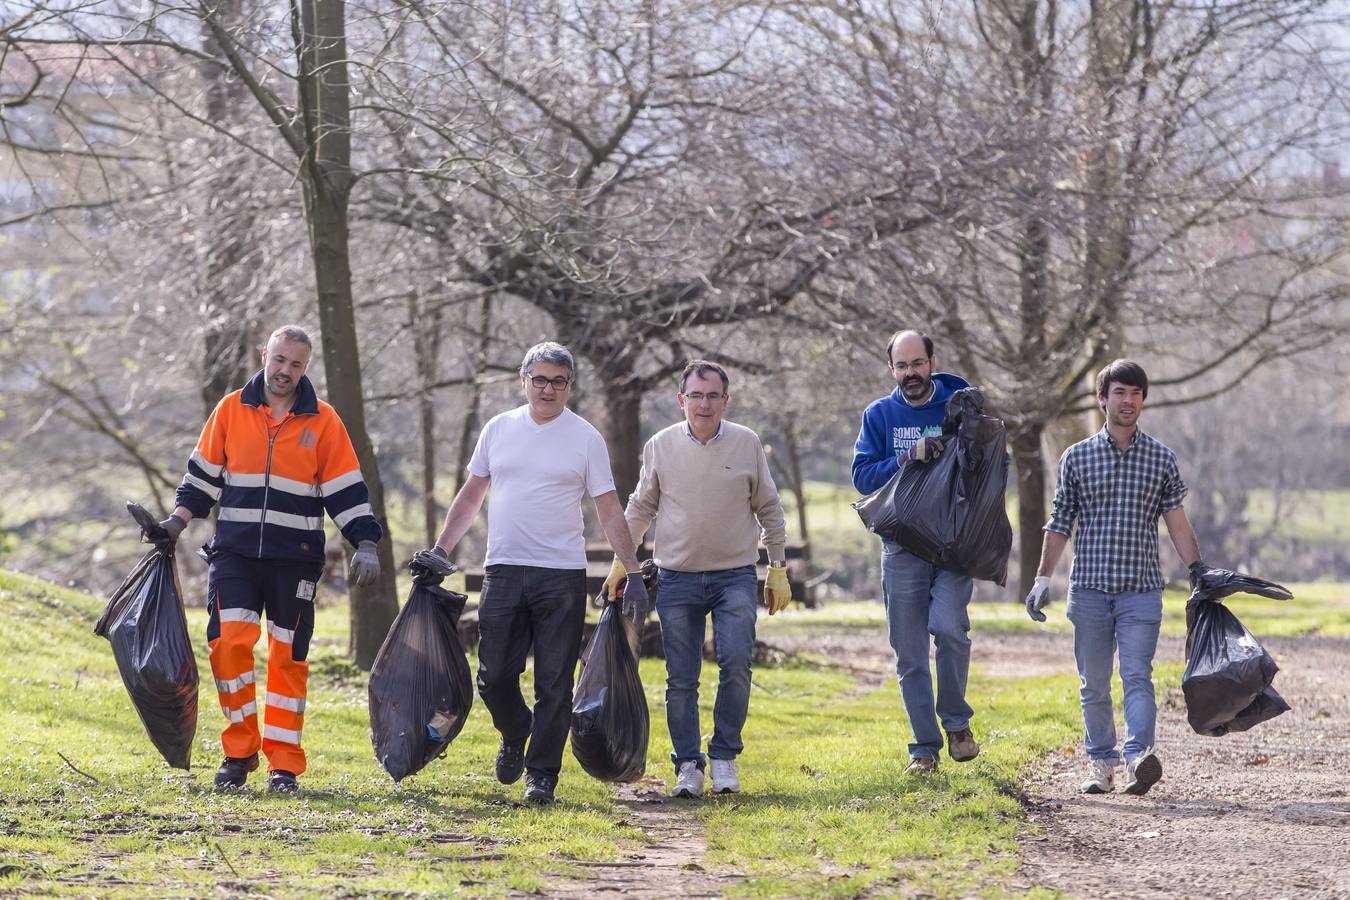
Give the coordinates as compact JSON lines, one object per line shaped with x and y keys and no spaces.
{"x":420,"y":690}
{"x":145,"y":623}
{"x":610,"y":725}
{"x":951,"y":511}
{"x":1228,"y":676}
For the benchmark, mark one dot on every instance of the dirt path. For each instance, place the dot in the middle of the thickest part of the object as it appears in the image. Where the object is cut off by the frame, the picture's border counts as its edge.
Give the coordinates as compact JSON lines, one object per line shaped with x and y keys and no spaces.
{"x":671,"y":866}
{"x":1262,"y":814}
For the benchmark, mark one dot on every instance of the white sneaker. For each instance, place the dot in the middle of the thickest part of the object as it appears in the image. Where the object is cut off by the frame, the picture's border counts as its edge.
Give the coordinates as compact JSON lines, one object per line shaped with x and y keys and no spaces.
{"x":1101,"y":778}
{"x":725,"y":776}
{"x":688,"y":781}
{"x":1143,"y":773}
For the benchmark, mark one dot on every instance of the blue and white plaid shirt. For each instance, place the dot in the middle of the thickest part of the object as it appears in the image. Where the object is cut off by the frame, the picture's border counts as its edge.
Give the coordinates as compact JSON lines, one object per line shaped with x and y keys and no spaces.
{"x":1116,"y":496}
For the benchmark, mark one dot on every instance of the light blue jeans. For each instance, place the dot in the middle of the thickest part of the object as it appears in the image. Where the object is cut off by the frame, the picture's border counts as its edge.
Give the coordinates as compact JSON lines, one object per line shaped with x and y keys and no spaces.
{"x":1102,"y":624}
{"x":683,"y":602}
{"x":923,"y":600}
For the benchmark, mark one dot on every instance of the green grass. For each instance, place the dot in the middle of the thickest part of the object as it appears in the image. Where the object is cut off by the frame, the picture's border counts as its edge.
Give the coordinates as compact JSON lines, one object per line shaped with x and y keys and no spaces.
{"x":143,"y":828}
{"x":825,"y":811}
{"x":1316,"y":517}
{"x":1318,"y":608}
{"x":828,"y":813}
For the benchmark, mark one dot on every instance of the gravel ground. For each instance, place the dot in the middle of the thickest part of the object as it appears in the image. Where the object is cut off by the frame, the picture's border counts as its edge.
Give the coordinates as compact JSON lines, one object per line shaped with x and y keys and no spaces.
{"x":1265,"y":813}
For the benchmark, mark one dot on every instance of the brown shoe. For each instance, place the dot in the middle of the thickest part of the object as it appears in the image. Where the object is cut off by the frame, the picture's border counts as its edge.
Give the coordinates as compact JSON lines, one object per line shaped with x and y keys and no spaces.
{"x":961,"y":745}
{"x":921,"y":765}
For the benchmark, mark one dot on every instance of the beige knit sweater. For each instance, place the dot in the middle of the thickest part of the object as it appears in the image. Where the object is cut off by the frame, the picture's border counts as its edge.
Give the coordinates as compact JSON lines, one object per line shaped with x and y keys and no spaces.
{"x":710,"y":503}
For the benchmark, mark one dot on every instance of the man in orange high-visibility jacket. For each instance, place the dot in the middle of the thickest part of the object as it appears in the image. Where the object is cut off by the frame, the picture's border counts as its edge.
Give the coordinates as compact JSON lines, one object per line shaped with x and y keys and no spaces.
{"x":276,"y":458}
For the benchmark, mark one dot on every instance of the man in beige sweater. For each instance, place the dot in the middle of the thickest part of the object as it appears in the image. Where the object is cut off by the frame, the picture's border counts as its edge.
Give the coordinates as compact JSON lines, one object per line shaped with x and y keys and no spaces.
{"x":705,"y":487}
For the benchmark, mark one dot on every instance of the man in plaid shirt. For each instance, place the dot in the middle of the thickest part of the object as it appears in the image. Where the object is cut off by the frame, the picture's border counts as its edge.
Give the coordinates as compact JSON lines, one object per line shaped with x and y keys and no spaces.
{"x":1115,"y":485}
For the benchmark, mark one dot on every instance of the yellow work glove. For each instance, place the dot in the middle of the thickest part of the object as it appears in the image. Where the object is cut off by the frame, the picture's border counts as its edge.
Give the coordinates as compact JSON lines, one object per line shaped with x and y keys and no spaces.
{"x":777,"y":591}
{"x":614,"y":579}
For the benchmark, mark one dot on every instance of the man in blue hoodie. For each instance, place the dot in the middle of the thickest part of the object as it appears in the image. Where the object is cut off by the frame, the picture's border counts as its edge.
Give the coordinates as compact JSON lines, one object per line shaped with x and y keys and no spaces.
{"x":920,"y":598}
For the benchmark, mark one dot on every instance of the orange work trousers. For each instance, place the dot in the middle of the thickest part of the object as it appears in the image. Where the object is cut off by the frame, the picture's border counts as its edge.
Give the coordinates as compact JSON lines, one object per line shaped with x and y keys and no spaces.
{"x":240,"y":591}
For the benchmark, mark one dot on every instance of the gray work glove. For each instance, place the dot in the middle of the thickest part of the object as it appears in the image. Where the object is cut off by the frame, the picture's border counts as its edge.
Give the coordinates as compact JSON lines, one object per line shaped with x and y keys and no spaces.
{"x":925,"y":450}
{"x":432,"y":562}
{"x":173,"y":526}
{"x":1038,"y":597}
{"x":637,"y":603}
{"x":364,"y":568}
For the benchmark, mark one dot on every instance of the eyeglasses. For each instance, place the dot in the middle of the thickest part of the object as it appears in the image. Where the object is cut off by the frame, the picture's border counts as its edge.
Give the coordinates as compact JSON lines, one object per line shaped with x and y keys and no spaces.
{"x":559,"y":384}
{"x":711,"y":396}
{"x":914,"y":365}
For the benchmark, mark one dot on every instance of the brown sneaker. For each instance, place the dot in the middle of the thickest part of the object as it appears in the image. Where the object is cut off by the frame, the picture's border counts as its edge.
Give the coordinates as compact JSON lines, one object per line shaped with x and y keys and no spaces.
{"x":921,"y":765}
{"x":961,"y":745}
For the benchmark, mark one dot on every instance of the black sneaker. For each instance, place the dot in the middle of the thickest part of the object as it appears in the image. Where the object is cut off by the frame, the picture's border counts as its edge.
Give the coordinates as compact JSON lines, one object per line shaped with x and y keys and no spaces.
{"x":539,"y":789}
{"x":511,"y":760}
{"x":282,"y":782}
{"x":233,"y":772}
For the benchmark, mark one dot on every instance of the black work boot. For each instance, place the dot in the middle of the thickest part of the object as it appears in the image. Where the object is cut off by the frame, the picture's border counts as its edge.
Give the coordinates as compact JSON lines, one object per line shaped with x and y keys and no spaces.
{"x":233,"y":772}
{"x":511,"y":757}
{"x":539,"y":788}
{"x":282,"y":782}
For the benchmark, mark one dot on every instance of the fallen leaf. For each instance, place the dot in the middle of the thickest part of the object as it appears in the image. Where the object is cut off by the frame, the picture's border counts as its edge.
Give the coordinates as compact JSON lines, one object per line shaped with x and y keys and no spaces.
{"x":1258,"y":760}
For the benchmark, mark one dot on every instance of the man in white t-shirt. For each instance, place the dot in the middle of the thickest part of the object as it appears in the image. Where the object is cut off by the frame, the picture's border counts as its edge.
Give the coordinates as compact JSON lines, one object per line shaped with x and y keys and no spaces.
{"x":541,"y":460}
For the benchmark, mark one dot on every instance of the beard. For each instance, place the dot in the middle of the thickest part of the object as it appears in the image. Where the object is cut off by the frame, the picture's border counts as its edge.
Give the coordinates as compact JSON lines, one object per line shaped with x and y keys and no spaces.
{"x":280,"y":388}
{"x":916,"y":387}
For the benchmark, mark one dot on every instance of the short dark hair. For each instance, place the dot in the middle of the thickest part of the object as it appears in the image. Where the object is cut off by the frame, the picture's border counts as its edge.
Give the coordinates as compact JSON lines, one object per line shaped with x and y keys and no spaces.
{"x":890,"y":345}
{"x":1121,"y":371}
{"x":701,"y":367}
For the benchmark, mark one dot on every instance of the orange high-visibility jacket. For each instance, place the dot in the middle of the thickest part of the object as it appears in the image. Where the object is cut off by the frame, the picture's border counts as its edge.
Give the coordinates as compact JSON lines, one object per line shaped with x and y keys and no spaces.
{"x":274,"y":483}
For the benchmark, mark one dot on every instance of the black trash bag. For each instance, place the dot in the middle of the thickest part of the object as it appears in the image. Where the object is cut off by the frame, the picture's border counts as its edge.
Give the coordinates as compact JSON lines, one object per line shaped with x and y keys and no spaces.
{"x":951,"y":511}
{"x":1227,"y":681}
{"x":145,"y":623}
{"x":610,"y":725}
{"x":420,"y":690}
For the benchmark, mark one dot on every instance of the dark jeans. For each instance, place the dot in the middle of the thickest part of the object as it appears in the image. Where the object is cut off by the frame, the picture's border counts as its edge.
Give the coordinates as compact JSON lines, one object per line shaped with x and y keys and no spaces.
{"x":524,"y":607}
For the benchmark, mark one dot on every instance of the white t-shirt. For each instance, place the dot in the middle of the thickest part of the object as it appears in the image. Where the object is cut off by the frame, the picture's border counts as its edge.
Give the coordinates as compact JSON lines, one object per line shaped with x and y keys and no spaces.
{"x":540,"y":475}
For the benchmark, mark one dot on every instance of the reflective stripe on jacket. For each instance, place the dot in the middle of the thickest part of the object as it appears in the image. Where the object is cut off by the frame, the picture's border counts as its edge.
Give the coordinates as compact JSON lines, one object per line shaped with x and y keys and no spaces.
{"x":274,"y":482}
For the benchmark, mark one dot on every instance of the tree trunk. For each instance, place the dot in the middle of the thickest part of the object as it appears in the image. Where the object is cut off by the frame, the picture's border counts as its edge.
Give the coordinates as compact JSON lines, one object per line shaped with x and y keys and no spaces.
{"x":426,"y":331}
{"x":620,"y":421}
{"x":231,"y":339}
{"x":1026,"y":450}
{"x":325,"y":178}
{"x":468,"y":426}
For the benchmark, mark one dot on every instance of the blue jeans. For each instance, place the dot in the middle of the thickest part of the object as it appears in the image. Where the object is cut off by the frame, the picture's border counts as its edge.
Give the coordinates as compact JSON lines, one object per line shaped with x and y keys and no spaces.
{"x":1103,"y":623}
{"x":683,"y":601}
{"x":922,"y":599}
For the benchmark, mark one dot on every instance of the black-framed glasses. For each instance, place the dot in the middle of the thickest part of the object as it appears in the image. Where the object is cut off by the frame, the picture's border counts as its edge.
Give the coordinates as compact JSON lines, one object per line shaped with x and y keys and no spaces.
{"x":711,"y":396}
{"x":559,"y":384}
{"x":913,"y":365}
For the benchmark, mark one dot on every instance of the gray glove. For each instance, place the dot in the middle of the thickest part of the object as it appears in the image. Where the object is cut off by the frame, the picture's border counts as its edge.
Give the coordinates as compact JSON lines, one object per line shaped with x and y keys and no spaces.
{"x":364,"y":568}
{"x":173,"y":526}
{"x":1038,"y":597}
{"x":432,"y":562}
{"x":925,"y":450}
{"x":637,"y":603}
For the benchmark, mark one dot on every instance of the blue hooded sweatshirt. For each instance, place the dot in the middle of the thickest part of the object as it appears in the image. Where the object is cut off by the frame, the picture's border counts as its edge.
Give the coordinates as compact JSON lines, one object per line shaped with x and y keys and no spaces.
{"x":891,"y":426}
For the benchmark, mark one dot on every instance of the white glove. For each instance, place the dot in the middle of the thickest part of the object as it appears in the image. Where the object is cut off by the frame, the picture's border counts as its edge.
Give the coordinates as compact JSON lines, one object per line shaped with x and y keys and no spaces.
{"x":1038,"y":597}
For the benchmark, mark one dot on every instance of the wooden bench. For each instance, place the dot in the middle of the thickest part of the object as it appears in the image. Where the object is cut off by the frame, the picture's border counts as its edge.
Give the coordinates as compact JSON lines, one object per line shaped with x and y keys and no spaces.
{"x":600,"y":556}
